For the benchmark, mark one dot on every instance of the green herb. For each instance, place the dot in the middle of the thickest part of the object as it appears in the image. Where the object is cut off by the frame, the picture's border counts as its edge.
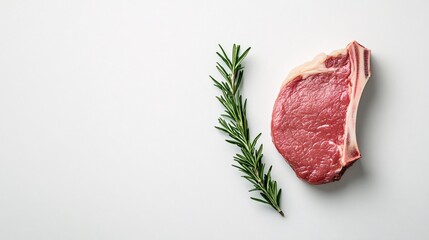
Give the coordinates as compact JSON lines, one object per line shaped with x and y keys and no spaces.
{"x":234,"y":123}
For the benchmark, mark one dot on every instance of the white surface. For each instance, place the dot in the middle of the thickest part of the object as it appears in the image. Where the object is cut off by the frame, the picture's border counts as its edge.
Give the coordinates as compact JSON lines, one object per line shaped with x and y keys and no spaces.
{"x":107,"y":114}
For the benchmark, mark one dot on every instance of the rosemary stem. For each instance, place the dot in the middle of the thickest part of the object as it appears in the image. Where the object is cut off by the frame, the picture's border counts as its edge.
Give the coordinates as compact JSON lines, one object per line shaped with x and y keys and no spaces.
{"x":234,"y":123}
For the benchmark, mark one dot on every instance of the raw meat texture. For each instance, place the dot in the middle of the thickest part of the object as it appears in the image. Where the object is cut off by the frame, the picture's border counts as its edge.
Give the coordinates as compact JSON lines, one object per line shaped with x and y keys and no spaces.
{"x":314,"y":117}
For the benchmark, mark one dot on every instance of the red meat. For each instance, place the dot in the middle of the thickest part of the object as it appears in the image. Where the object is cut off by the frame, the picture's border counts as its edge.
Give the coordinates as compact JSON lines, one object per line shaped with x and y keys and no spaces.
{"x":314,"y":118}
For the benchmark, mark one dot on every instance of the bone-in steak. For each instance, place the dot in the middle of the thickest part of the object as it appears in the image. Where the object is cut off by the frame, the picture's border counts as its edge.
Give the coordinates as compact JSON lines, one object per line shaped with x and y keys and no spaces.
{"x":314,"y":118}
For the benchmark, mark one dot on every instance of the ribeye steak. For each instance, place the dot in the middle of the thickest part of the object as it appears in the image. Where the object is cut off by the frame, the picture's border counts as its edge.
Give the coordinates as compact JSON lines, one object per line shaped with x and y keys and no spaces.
{"x":314,"y":117}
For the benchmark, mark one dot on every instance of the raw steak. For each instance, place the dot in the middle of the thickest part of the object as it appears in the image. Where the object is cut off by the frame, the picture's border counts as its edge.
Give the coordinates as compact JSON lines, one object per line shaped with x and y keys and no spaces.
{"x":314,"y":118}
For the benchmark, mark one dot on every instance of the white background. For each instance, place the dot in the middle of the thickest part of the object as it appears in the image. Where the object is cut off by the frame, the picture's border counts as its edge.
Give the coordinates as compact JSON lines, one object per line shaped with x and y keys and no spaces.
{"x":107,"y":115}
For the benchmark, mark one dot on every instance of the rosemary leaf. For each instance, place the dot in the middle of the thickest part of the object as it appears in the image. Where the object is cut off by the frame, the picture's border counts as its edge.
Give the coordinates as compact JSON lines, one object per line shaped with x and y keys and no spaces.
{"x":233,"y":122}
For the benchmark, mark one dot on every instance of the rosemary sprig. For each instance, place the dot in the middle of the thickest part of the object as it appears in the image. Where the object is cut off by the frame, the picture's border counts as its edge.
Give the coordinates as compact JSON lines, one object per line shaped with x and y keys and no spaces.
{"x":234,"y":123}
